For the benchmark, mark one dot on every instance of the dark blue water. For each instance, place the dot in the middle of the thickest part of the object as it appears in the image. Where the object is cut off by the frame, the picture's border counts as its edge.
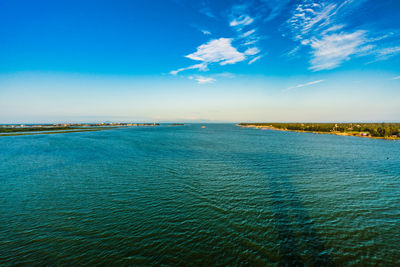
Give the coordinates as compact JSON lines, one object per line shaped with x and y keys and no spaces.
{"x":184,"y":195}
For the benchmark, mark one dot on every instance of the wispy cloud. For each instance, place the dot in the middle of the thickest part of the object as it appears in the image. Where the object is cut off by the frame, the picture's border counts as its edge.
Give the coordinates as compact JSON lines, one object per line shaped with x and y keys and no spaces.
{"x":396,"y":78}
{"x":319,"y":26}
{"x":293,"y":51}
{"x":250,"y":41}
{"x":252,"y":51}
{"x":330,"y":51}
{"x":205,"y":32}
{"x":201,"y":67}
{"x":309,"y":83}
{"x":243,"y":20}
{"x":224,"y":75}
{"x":243,"y":24}
{"x":206,"y":11}
{"x":275,"y":7}
{"x":248,"y":33}
{"x":202,"y":79}
{"x":333,"y":28}
{"x":303,"y":85}
{"x":310,"y":16}
{"x":385,"y":53}
{"x":254,"y":59}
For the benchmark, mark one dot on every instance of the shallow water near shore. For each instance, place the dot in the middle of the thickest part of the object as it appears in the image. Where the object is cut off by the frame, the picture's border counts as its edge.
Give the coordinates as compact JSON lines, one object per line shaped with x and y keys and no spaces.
{"x":186,"y":195}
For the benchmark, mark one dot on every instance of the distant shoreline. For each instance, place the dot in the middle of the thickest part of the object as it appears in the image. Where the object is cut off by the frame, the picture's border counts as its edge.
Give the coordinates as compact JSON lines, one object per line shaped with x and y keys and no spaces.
{"x":34,"y":129}
{"x":56,"y":131}
{"x":344,"y":133}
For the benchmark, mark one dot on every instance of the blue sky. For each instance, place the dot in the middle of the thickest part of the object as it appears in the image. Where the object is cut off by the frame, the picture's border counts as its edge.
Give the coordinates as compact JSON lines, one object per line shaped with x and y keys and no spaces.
{"x":181,"y":60}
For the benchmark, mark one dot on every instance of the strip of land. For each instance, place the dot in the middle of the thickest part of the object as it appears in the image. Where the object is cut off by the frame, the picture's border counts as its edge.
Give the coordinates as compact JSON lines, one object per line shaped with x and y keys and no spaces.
{"x":370,"y":130}
{"x":54,"y":132}
{"x":33,"y":129}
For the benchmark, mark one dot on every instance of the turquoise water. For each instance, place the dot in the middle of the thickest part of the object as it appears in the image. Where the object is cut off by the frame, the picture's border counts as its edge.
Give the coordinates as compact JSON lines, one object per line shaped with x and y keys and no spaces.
{"x":184,"y":195}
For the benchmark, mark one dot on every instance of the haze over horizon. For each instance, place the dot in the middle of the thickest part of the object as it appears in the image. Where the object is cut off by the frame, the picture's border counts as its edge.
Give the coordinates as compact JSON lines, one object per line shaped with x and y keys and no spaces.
{"x":199,"y":61}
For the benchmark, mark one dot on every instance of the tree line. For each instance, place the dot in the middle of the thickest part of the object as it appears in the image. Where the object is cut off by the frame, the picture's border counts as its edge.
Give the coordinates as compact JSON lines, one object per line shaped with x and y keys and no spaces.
{"x":372,"y":129}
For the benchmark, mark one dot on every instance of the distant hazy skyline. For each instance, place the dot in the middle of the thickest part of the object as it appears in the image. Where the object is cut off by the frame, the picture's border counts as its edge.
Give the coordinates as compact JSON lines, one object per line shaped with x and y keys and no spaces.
{"x":199,"y":61}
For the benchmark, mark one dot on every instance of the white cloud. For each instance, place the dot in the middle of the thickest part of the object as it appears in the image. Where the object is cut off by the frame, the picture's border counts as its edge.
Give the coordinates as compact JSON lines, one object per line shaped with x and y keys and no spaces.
{"x":222,"y":51}
{"x":333,"y":28}
{"x":308,"y":84}
{"x":204,"y":80}
{"x":243,"y":20}
{"x":388,"y":52}
{"x":240,"y":18}
{"x":320,"y":27}
{"x":396,"y":78}
{"x":250,"y":42}
{"x":307,"y":17}
{"x":293,"y":51}
{"x":252,"y":51}
{"x":254,"y":60}
{"x":217,"y":51}
{"x":331,"y":50}
{"x":304,"y":85}
{"x":244,"y":35}
{"x":249,"y":37}
{"x":201,"y":79}
{"x":201,"y":67}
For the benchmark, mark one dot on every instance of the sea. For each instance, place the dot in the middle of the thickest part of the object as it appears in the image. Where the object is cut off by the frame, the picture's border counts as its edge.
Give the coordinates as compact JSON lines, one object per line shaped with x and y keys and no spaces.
{"x":193,"y":196}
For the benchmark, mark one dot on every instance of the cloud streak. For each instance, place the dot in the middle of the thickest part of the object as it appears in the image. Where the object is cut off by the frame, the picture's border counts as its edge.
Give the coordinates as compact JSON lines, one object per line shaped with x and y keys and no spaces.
{"x":254,"y":59}
{"x":248,"y":33}
{"x":385,"y":53}
{"x":275,"y":8}
{"x":243,"y":20}
{"x":204,"y":80}
{"x":201,"y":67}
{"x":318,"y":25}
{"x":303,"y":85}
{"x":206,"y":11}
{"x":332,"y":50}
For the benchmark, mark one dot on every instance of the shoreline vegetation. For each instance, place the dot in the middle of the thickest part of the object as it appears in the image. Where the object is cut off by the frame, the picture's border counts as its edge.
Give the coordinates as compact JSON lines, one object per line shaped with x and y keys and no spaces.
{"x":33,"y":129}
{"x":390,"y":131}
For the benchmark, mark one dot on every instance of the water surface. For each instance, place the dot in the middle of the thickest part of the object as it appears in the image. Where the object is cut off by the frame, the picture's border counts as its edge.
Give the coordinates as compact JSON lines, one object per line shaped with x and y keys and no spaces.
{"x":185,"y":195}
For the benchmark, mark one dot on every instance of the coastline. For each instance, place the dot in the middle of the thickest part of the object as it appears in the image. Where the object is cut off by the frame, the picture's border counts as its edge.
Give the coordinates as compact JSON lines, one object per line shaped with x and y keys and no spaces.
{"x":56,"y":132}
{"x":34,"y":129}
{"x":314,"y":132}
